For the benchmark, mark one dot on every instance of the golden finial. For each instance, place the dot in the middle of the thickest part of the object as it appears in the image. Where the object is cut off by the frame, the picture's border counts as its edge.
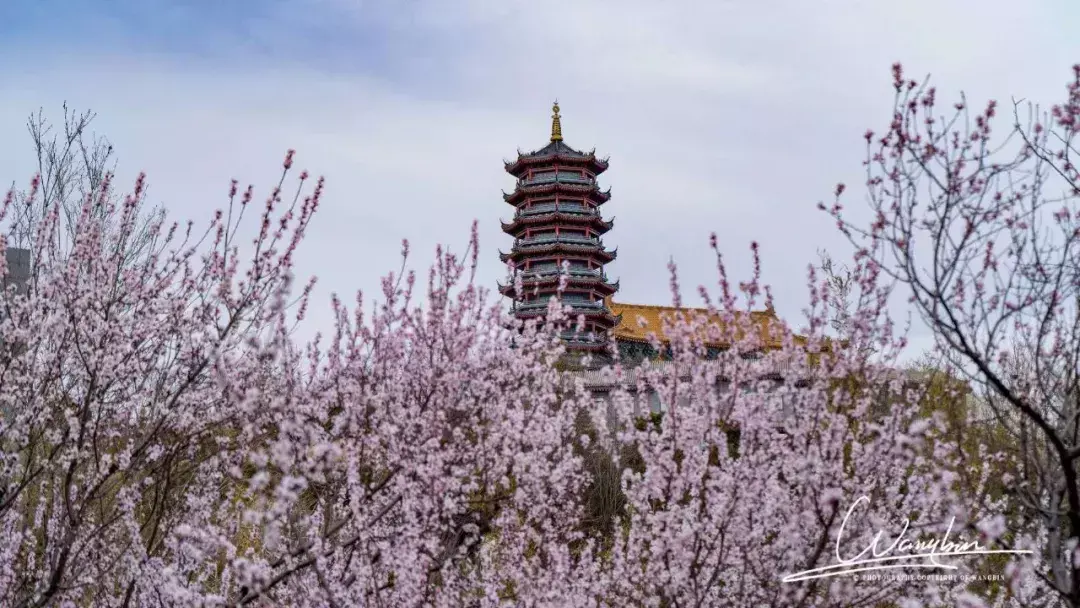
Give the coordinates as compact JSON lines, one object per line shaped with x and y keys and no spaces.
{"x":556,"y":126}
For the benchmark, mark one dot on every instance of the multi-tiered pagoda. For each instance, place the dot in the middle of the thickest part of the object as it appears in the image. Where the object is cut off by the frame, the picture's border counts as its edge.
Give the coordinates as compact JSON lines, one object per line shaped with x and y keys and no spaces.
{"x":557,"y":231}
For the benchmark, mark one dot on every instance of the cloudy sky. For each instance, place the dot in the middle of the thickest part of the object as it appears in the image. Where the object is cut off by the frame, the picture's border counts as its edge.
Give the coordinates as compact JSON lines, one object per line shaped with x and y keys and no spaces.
{"x":733,"y":116}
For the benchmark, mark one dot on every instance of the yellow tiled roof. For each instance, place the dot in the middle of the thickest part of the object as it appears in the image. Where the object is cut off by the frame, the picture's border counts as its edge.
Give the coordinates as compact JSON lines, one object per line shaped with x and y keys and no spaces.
{"x":630,"y":329}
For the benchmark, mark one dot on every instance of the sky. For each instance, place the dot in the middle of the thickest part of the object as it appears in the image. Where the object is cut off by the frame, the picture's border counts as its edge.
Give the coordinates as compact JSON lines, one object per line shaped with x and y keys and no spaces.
{"x":734,"y":117}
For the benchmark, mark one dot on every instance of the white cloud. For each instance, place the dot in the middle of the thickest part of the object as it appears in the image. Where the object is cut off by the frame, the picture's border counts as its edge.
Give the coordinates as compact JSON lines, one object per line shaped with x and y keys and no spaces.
{"x":728,"y":116}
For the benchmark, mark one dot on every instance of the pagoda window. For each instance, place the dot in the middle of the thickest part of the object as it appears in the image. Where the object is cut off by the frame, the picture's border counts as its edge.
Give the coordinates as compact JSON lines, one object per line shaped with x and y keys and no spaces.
{"x":576,"y":298}
{"x":544,"y":268}
{"x":541,"y":206}
{"x":567,"y":298}
{"x":541,"y":177}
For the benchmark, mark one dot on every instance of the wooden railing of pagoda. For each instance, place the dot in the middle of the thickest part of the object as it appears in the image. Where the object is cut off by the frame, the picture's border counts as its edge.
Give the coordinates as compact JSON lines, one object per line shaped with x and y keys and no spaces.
{"x":555,"y":269}
{"x":568,"y":178}
{"x":569,"y":301}
{"x":559,"y":238}
{"x":541,"y":208}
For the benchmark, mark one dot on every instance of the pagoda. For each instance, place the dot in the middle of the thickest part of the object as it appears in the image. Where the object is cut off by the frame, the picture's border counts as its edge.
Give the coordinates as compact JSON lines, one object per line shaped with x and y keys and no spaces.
{"x":557,"y":230}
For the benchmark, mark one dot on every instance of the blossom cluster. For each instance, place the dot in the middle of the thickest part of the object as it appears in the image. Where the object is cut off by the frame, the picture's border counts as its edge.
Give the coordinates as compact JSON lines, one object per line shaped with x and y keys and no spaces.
{"x":167,"y":442}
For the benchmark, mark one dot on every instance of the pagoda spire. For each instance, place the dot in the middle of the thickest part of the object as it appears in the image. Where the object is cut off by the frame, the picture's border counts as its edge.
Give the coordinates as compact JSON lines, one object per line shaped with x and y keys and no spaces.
{"x":556,"y":124}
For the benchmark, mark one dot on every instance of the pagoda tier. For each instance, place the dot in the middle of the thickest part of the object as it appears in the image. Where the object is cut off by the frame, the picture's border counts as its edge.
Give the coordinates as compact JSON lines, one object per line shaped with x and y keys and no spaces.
{"x":557,"y":228}
{"x":598,"y":313}
{"x":556,"y":153}
{"x":572,"y":191}
{"x":524,"y":250}
{"x":525,"y":220}
{"x":548,"y":281}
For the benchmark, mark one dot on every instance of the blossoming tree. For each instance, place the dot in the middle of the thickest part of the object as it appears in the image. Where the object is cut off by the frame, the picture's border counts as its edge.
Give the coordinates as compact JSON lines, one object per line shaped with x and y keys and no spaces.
{"x":983,"y":230}
{"x":773,"y":461}
{"x":165,"y":441}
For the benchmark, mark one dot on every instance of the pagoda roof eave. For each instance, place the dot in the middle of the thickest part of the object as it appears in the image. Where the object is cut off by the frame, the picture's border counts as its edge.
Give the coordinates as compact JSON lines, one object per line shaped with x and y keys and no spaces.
{"x":518,"y":166}
{"x":598,"y":284}
{"x":596,"y":195}
{"x":604,"y":254}
{"x":592,"y":315}
{"x":557,"y":151}
{"x":601,"y":224}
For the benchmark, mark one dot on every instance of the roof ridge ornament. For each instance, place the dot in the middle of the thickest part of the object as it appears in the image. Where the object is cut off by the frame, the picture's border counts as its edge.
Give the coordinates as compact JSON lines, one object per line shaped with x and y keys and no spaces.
{"x":556,"y":124}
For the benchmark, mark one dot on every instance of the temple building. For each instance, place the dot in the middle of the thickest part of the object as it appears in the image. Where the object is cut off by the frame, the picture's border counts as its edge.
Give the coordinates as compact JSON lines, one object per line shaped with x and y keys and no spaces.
{"x":558,"y":228}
